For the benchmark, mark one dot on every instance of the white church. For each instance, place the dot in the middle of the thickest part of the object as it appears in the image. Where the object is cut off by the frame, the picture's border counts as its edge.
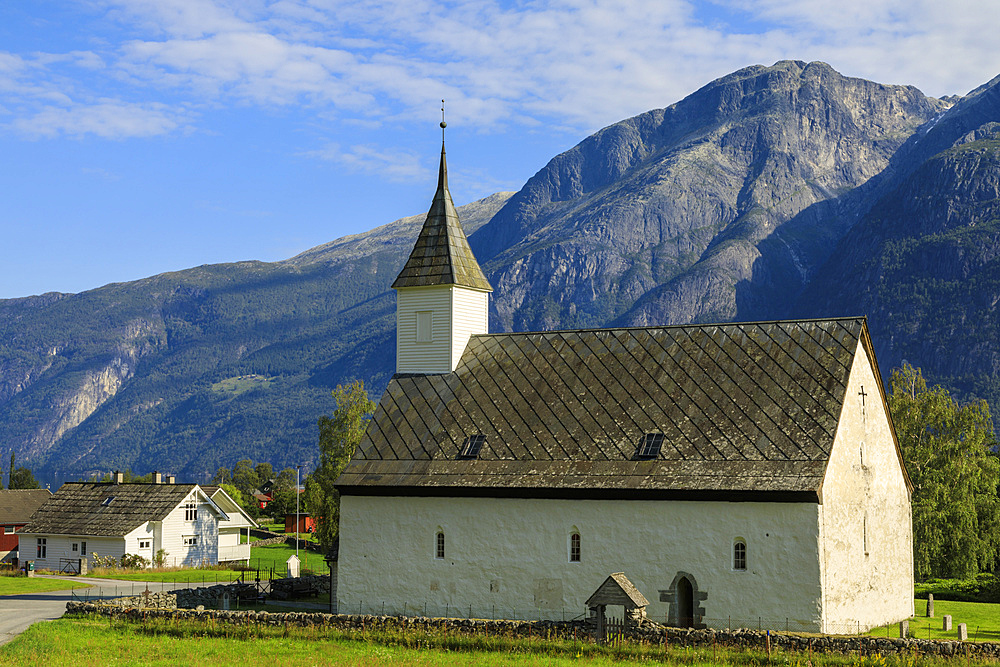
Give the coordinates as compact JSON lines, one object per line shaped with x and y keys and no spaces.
{"x":737,"y":474}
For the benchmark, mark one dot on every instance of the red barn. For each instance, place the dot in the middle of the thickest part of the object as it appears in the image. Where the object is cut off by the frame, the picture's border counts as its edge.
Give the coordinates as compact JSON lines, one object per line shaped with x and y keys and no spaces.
{"x":306,"y":523}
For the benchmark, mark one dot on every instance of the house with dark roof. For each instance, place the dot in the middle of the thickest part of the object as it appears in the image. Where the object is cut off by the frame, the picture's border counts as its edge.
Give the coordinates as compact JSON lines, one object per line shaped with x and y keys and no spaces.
{"x":731,"y":471}
{"x":16,"y":508}
{"x":84,"y":519}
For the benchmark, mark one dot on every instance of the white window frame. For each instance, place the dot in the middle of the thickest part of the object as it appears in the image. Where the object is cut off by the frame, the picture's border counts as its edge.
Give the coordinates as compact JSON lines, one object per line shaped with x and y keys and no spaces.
{"x":439,"y":545}
{"x":145,"y":544}
{"x":190,"y":540}
{"x":191,"y":511}
{"x":76,"y":547}
{"x":8,"y":530}
{"x":739,"y":556}
{"x":41,"y":548}
{"x":575,"y":547}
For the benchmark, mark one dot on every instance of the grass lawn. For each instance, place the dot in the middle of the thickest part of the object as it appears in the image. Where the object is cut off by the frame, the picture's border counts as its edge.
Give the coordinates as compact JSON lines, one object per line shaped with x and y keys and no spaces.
{"x":22,"y":585}
{"x":266,"y":557}
{"x":276,"y":555}
{"x":104,"y":642}
{"x":982,"y":620}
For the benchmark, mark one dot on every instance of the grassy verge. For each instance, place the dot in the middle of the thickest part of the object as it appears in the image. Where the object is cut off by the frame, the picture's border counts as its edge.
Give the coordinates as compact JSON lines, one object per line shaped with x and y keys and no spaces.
{"x":22,"y":585}
{"x":276,"y":555}
{"x":104,"y":641}
{"x":982,"y":619}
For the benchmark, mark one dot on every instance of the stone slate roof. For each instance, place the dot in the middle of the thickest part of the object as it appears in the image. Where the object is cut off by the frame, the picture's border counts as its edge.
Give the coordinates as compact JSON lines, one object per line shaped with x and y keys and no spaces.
{"x":744,"y":409}
{"x":17,"y":505}
{"x":617,"y":590}
{"x":441,"y":255}
{"x":77,"y":508}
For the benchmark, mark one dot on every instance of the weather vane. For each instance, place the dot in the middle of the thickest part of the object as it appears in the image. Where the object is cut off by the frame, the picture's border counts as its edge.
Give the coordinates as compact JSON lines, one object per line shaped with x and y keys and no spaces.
{"x":443,"y":124}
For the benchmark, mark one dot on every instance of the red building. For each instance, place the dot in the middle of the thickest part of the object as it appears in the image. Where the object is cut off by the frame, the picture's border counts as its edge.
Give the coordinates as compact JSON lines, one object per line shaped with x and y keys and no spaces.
{"x":306,"y":523}
{"x":16,"y":507}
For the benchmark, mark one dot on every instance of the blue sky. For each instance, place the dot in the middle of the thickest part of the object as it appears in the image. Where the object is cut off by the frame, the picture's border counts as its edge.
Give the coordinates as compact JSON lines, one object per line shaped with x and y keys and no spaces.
{"x":143,"y":136}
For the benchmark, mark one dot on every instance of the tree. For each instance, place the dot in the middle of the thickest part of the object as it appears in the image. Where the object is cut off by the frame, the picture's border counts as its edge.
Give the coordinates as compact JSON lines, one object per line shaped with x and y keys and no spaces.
{"x":950,"y":456}
{"x":283,"y":495}
{"x":339,"y":436}
{"x":222,"y":475}
{"x":264,"y":471}
{"x":22,"y":478}
{"x":11,"y":478}
{"x":233,"y":492}
{"x":245,"y":477}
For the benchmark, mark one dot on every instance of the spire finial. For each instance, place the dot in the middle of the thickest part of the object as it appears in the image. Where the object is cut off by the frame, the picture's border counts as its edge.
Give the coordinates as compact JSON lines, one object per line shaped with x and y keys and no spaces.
{"x":443,"y":124}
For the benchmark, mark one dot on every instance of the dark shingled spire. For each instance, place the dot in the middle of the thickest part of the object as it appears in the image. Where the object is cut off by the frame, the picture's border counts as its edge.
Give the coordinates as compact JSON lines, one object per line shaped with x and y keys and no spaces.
{"x":442,"y":255}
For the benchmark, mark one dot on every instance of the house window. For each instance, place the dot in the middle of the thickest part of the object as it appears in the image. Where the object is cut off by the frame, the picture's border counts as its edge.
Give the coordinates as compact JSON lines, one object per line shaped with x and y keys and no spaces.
{"x":40,"y":551}
{"x":190,"y":540}
{"x":76,"y":547}
{"x":423,"y":326}
{"x":8,"y":530}
{"x":739,"y":555}
{"x":574,"y":548}
{"x":191,"y":512}
{"x":143,"y":544}
{"x":439,"y":546}
{"x":83,"y":548}
{"x":107,"y":501}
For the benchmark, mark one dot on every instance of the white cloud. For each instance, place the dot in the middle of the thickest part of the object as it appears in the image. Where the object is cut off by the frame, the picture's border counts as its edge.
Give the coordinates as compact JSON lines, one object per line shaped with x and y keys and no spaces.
{"x":572,"y":64}
{"x":394,"y":165}
{"x":109,"y":119}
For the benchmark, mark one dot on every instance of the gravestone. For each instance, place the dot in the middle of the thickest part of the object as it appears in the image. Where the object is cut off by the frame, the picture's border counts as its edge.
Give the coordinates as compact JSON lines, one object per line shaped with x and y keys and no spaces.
{"x":946,"y":623}
{"x":963,"y":632}
{"x":904,"y":629}
{"x":930,"y":605}
{"x":224,"y":601}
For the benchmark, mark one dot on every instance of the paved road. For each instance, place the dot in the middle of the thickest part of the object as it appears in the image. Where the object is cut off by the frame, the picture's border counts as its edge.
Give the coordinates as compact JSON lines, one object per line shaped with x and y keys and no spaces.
{"x":18,"y":612}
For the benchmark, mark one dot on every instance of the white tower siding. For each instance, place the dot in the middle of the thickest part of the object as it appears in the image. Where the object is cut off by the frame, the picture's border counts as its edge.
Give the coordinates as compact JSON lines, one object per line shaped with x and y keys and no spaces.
{"x":455,"y":314}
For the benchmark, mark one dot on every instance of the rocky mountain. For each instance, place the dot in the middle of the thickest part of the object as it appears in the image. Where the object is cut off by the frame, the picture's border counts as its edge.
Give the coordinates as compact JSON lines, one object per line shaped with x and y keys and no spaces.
{"x":781,"y":191}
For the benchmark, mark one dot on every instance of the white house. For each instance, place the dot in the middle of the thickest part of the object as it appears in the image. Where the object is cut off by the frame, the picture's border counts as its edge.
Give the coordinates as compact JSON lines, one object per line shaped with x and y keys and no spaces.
{"x":737,"y":473}
{"x":82,"y":519}
{"x":238,"y":524}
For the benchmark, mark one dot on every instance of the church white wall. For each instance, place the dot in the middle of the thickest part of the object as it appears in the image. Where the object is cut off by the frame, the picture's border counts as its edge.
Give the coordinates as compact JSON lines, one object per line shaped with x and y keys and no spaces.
{"x":511,"y":556}
{"x":866,"y":528}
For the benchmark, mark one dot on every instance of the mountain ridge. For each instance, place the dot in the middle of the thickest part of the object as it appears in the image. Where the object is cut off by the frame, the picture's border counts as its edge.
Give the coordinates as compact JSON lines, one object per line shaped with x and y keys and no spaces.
{"x":745,"y":200}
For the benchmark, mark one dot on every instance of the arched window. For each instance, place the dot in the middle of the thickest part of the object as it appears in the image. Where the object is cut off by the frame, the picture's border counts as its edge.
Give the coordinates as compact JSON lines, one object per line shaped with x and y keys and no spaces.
{"x":439,"y":545}
{"x":739,"y":554}
{"x":574,"y":547}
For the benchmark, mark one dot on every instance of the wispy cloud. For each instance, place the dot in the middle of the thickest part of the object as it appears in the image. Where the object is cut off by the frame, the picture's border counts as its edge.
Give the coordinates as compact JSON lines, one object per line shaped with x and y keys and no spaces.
{"x":110,"y":119}
{"x":573,"y":64}
{"x":394,"y":165}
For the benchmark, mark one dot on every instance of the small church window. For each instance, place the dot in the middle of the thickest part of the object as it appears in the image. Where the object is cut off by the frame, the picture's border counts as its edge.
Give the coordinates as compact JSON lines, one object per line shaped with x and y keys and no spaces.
{"x":472,"y":445}
{"x":574,"y":548}
{"x":423,"y":326}
{"x":649,"y":448}
{"x":439,"y":547}
{"x":739,"y":555}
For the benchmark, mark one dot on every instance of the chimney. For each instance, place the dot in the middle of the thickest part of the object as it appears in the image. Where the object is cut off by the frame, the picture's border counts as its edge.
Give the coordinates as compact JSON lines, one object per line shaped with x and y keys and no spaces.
{"x":118,"y":477}
{"x":157,"y":478}
{"x":171,"y":479}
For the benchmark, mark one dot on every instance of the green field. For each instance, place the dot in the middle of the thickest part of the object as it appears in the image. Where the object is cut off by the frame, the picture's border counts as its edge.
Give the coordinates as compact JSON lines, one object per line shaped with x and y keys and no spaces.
{"x":22,"y":585}
{"x":264,"y":558}
{"x":161,"y":642}
{"x":982,"y":620}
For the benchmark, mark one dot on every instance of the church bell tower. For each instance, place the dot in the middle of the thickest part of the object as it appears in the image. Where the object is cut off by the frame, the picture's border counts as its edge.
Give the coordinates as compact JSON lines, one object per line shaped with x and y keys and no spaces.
{"x":441,"y":293}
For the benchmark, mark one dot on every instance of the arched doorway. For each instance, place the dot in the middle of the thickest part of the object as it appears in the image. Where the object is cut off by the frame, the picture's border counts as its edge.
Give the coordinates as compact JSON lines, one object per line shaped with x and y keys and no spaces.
{"x":685,"y":603}
{"x":686,"y":609}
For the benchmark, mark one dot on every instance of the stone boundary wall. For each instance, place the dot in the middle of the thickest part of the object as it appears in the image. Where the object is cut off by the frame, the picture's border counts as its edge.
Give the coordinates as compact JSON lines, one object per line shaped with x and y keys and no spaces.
{"x":649,"y":632}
